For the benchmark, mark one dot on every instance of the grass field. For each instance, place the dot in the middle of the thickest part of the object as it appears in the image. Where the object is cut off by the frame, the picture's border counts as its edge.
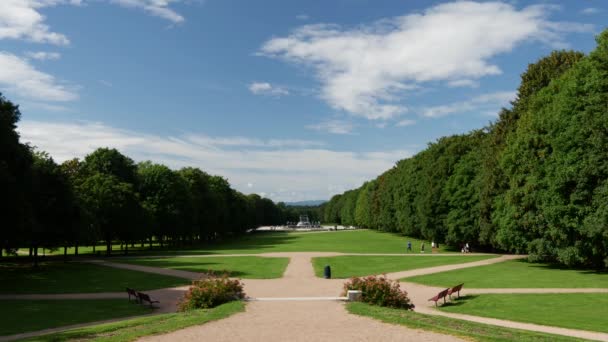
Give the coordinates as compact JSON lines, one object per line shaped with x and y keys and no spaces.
{"x":132,"y":329}
{"x":357,"y":266}
{"x":516,"y":274}
{"x":468,"y":330}
{"x":61,"y":277}
{"x":585,"y":311}
{"x":354,"y":241}
{"x":21,"y":316}
{"x":248,"y":267}
{"x":351,"y":241}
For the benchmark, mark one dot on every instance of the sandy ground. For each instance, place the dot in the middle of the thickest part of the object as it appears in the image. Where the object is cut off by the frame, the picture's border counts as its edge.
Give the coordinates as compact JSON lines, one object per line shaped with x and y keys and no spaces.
{"x":298,"y":321}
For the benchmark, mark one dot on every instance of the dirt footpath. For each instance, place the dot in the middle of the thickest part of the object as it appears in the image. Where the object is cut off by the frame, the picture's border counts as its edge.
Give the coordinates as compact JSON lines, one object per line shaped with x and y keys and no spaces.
{"x":299,"y":321}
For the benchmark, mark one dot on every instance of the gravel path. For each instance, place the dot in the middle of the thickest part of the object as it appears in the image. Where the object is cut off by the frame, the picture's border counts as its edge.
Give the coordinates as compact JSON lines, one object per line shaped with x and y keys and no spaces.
{"x":299,"y":321}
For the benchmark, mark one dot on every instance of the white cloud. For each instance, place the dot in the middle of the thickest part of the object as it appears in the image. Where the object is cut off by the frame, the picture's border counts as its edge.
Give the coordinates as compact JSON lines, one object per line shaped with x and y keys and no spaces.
{"x":42,"y":56}
{"x":463,"y":83}
{"x":405,"y":123}
{"x":288,"y":174}
{"x":484,"y":103}
{"x":159,"y":8}
{"x":302,"y":17}
{"x":333,"y":126}
{"x":21,"y":19}
{"x":366,"y":70}
{"x":265,"y":88}
{"x":19,"y":77}
{"x":590,"y":10}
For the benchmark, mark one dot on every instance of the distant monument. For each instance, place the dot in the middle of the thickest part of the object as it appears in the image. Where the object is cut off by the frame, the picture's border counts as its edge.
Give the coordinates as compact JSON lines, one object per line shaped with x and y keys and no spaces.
{"x":304,"y":222}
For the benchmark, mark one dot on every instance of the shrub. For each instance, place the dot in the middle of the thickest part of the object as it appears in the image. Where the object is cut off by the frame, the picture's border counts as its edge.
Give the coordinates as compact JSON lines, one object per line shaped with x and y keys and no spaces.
{"x":379,"y":290}
{"x":211,"y":291}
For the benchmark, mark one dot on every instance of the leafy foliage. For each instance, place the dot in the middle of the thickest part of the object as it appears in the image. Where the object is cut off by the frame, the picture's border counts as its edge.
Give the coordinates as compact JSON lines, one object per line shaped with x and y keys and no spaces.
{"x":210,"y":292}
{"x":381,"y":291}
{"x":534,"y":181}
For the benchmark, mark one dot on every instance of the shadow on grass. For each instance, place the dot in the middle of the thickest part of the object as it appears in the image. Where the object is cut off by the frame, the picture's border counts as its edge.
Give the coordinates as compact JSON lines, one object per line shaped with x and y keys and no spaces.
{"x":200,"y":267}
{"x":460,"y":301}
{"x":561,"y":267}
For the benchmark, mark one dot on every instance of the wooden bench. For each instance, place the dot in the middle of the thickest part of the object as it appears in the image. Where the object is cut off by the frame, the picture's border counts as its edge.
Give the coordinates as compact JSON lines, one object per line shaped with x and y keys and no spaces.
{"x":455,"y":289}
{"x":440,"y":295}
{"x":133,"y":293}
{"x":145,"y":298}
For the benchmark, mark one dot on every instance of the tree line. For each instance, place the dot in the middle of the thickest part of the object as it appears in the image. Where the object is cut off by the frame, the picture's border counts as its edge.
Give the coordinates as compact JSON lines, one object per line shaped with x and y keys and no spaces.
{"x":534,"y":181}
{"x":107,"y":197}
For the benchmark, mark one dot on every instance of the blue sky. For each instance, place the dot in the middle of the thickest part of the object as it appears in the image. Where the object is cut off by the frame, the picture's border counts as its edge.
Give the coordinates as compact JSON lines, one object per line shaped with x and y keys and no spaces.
{"x":293,"y":100}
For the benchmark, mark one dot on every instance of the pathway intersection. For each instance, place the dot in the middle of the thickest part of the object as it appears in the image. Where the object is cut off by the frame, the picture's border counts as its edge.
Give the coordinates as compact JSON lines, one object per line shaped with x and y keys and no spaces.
{"x":302,"y":307}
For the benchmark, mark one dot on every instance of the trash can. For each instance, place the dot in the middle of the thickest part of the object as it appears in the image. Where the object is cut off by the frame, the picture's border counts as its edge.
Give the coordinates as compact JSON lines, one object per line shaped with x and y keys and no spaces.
{"x":327,"y":272}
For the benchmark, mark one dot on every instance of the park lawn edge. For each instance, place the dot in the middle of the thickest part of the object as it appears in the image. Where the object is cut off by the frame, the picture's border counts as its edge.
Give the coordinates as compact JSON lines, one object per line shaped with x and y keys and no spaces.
{"x":232,"y":270}
{"x":582,"y":309}
{"x":444,"y":325}
{"x":320,"y":262}
{"x":132,"y":329}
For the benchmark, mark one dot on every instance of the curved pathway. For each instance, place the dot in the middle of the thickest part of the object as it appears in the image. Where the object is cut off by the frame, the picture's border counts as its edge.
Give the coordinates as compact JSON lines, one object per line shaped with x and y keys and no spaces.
{"x":301,"y":307}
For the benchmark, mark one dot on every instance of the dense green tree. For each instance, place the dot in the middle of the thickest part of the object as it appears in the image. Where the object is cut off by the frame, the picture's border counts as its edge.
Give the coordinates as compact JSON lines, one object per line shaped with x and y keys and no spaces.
{"x":165,"y":197}
{"x":112,"y":207}
{"x":557,"y":164}
{"x":15,"y":164}
{"x":111,"y":162}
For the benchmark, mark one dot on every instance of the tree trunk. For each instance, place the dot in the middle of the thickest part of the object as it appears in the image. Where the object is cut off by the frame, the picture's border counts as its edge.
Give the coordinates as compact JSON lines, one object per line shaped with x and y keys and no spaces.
{"x":126,"y":248}
{"x":36,"y":256}
{"x":108,"y":247}
{"x":65,"y":253}
{"x":76,"y":250}
{"x":93,"y":249}
{"x":31,"y":251}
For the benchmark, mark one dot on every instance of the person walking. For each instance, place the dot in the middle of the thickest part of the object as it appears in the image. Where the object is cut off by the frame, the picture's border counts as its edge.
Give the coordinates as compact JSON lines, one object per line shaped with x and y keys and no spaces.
{"x":422,"y":248}
{"x":409,"y":246}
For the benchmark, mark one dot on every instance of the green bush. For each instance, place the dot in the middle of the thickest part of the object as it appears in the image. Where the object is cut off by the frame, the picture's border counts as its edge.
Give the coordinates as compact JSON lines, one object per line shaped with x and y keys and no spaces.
{"x":211,"y":291}
{"x":379,"y":290}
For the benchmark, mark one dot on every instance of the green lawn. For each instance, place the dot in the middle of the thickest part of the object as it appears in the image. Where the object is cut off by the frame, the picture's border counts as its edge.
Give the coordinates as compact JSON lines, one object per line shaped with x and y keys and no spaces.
{"x":354,"y":241}
{"x":585,"y":311}
{"x":350,"y":241}
{"x":58,"y":277}
{"x":515,"y":274}
{"x":357,"y":266}
{"x":468,"y":330}
{"x":132,"y":329}
{"x":21,"y":316}
{"x":249,"y":267}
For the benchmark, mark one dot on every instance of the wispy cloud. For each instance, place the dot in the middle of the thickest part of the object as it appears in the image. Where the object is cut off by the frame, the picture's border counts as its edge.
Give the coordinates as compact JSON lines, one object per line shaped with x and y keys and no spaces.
{"x":590,"y":10}
{"x":19,"y":77}
{"x":484,"y":103}
{"x":333,"y":126}
{"x":159,"y":8}
{"x":366,"y":70}
{"x":302,"y":17}
{"x":43,"y":56}
{"x":283,"y":169}
{"x":405,"y":123}
{"x":265,"y":88}
{"x":22,"y":19}
{"x":463,"y":83}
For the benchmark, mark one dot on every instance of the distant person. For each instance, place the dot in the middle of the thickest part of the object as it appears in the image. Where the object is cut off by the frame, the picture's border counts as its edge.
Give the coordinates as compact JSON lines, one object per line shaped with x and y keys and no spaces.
{"x":466,"y":248}
{"x":422,"y":248}
{"x":409,"y":246}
